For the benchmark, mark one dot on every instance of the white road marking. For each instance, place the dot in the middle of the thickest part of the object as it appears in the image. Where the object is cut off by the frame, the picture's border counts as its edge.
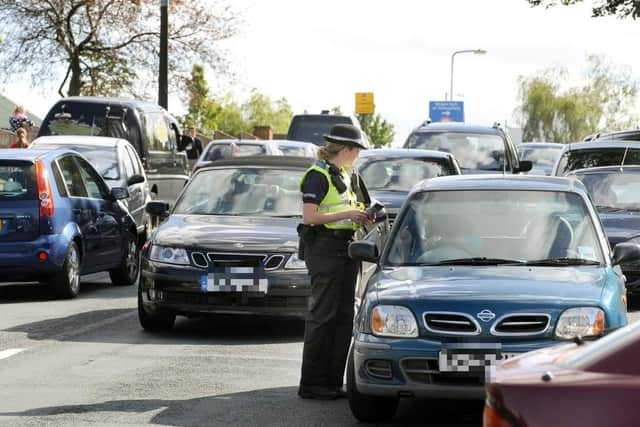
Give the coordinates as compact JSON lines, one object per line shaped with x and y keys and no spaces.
{"x":11,"y":352}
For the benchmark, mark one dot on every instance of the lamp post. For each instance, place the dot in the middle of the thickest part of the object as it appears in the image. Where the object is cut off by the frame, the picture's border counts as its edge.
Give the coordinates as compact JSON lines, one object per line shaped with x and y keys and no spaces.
{"x":475,"y":52}
{"x":163,"y":80}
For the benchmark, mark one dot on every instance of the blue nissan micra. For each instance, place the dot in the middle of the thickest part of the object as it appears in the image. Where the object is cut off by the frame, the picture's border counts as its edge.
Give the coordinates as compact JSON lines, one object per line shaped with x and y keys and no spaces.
{"x":58,"y":220}
{"x":479,"y":269}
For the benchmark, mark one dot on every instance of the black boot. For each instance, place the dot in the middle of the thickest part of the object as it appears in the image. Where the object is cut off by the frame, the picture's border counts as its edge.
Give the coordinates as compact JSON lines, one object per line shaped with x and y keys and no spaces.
{"x":317,"y":392}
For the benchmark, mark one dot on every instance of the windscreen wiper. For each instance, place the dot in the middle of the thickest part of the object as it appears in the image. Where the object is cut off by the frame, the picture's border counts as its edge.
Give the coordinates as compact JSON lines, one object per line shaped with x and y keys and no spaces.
{"x":478,"y":261}
{"x":562,"y":261}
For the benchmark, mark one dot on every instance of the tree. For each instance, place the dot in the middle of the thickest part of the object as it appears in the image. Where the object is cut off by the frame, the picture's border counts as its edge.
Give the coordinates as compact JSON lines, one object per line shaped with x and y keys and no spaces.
{"x":605,"y":102}
{"x":260,"y":110}
{"x":380,"y":131}
{"x":621,"y":8}
{"x":106,"y":47}
{"x":198,"y":91}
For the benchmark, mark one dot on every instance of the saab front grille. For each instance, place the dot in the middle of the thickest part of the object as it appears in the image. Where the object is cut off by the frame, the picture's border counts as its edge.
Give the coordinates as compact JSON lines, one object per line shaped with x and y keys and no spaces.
{"x":236,"y":260}
{"x":451,"y":323}
{"x":521,"y":324}
{"x":199,"y":259}
{"x":273,"y":262}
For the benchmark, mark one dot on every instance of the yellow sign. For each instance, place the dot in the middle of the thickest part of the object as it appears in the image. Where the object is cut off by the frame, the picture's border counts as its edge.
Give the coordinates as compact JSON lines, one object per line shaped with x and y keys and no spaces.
{"x":364,"y":103}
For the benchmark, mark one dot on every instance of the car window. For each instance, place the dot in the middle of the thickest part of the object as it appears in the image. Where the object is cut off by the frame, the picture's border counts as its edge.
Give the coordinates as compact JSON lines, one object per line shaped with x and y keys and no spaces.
{"x":95,"y":187}
{"x":218,"y":151}
{"x":442,"y":225}
{"x":400,"y":174}
{"x":127,"y":163}
{"x":313,"y":128}
{"x":472,"y":151}
{"x":135,"y":160}
{"x":72,"y":177}
{"x":104,"y":159}
{"x":590,"y":158}
{"x":243,"y":191}
{"x":158,"y":132}
{"x":17,"y":181}
{"x":613,"y":189}
{"x":540,"y":156}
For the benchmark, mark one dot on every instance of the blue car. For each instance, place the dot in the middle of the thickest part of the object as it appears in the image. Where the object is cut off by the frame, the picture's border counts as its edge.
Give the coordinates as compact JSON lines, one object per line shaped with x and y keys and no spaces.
{"x":58,"y":220}
{"x":614,"y":192}
{"x":478,"y":269}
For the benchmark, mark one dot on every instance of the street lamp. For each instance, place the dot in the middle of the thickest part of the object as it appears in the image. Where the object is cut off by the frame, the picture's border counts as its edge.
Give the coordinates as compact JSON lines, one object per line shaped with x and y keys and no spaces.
{"x":475,"y":52}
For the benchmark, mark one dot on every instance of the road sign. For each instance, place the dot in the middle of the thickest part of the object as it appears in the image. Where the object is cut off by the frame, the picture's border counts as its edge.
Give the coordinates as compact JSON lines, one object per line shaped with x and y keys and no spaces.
{"x":446,"y":111}
{"x":364,"y":103}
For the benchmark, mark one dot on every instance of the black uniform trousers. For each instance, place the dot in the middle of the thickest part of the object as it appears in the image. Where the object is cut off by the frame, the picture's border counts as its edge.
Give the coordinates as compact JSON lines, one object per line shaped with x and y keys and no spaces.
{"x":329,"y":323}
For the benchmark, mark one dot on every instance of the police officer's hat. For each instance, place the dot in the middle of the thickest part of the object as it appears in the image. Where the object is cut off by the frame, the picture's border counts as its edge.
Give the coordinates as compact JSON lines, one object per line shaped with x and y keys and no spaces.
{"x":346,"y":134}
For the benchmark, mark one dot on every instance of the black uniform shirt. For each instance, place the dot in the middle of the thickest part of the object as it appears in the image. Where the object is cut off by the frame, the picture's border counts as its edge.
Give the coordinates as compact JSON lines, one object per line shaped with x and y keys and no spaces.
{"x":314,"y":188}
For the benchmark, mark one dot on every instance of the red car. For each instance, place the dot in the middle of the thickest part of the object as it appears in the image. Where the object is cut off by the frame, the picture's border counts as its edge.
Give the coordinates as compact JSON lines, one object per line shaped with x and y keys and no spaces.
{"x":582,"y":384}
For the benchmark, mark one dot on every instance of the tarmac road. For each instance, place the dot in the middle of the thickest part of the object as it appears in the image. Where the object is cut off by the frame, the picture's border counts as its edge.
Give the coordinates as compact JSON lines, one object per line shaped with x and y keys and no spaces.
{"x":87,"y":361}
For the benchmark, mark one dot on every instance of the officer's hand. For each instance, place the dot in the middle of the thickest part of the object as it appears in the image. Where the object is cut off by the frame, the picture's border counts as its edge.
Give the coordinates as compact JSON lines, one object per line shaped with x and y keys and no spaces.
{"x":357,"y":216}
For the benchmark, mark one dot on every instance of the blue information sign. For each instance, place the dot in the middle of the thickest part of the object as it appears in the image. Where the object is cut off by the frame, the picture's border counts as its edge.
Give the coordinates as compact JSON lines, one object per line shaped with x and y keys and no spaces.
{"x":446,"y":111}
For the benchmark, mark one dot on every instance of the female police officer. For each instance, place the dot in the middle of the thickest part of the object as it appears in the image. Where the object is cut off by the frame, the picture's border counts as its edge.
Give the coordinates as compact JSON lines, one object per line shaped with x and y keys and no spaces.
{"x":331,"y":215}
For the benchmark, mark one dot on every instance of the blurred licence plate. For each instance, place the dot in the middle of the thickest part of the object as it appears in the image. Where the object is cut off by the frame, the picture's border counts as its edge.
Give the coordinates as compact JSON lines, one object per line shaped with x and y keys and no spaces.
{"x":469,"y":361}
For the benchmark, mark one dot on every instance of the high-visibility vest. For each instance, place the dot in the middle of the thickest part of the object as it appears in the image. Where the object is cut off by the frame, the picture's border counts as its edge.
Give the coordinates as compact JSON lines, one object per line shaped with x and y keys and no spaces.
{"x":333,"y":201}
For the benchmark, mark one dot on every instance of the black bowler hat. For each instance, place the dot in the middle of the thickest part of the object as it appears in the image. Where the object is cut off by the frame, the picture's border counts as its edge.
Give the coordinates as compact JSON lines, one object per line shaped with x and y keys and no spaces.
{"x":346,"y":135}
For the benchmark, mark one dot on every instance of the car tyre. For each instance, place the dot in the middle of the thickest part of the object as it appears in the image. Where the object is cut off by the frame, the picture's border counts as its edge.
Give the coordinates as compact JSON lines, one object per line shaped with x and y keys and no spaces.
{"x":157,"y":321}
{"x":128,"y":273}
{"x":367,"y":408}
{"x":66,"y":283}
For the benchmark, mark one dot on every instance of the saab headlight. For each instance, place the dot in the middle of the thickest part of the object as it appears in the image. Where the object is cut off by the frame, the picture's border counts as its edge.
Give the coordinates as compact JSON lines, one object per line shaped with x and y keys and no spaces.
{"x":580,"y":321}
{"x":393,"y":321}
{"x":294,"y":263}
{"x":169,"y":255}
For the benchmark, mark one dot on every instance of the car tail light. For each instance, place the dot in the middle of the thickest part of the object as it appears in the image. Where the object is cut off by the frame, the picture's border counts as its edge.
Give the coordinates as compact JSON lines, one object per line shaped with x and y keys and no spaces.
{"x":45,"y":197}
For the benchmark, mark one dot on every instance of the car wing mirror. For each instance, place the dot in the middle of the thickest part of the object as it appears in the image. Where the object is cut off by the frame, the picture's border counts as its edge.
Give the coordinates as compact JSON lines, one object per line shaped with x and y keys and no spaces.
{"x":157,"y":208}
{"x":119,"y":193}
{"x":523,"y":166}
{"x":135,"y":179}
{"x":626,"y":252}
{"x":364,"y":250}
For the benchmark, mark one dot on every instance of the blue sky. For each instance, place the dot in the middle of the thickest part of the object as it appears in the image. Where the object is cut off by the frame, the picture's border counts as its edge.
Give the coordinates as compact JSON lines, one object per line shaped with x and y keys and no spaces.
{"x":317,"y":54}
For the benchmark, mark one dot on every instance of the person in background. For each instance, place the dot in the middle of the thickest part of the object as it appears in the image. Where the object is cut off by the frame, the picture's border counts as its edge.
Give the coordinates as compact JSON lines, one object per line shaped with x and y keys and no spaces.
{"x":22,"y":140}
{"x":19,"y":119}
{"x":191,"y":143}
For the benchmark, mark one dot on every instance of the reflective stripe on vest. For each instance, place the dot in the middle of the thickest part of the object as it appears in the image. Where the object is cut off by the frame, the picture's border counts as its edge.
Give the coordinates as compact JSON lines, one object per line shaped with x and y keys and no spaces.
{"x":333,"y":201}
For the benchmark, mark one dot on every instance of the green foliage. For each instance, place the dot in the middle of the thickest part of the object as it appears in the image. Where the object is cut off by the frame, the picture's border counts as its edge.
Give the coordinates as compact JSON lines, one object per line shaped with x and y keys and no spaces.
{"x":605,"y":102}
{"x":620,"y":8}
{"x":225,"y":114}
{"x":380,"y":131}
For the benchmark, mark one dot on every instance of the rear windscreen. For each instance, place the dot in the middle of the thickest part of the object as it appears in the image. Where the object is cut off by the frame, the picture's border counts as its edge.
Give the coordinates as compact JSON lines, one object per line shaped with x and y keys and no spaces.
{"x":228,"y":151}
{"x":312,"y":128}
{"x":17,"y":181}
{"x":591,"y":158}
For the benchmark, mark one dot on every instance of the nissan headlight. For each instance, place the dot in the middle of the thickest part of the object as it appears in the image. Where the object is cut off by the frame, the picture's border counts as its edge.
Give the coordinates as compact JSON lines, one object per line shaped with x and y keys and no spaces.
{"x":393,"y":321}
{"x":169,"y":255}
{"x":580,"y":321}
{"x":295,"y":263}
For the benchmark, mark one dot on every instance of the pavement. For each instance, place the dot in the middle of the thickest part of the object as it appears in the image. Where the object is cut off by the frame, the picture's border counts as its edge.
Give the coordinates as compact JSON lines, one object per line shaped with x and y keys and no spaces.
{"x":88,"y":361}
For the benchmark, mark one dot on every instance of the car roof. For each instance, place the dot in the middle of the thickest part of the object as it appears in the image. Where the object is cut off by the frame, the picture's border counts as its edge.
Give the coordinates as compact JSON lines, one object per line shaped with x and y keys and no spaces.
{"x":401,"y":153}
{"x":598,"y":144}
{"x":135,"y":103}
{"x":97,"y":141}
{"x":501,"y":182}
{"x":541,"y":145}
{"x":30,"y":154}
{"x":292,"y":143}
{"x":241,"y":141}
{"x":457,"y":127}
{"x":598,"y":169}
{"x":273,"y":161}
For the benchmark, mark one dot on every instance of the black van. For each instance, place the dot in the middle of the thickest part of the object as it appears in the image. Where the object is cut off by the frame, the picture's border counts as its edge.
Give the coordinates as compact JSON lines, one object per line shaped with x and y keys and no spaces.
{"x":312,"y":127}
{"x":152,"y":131}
